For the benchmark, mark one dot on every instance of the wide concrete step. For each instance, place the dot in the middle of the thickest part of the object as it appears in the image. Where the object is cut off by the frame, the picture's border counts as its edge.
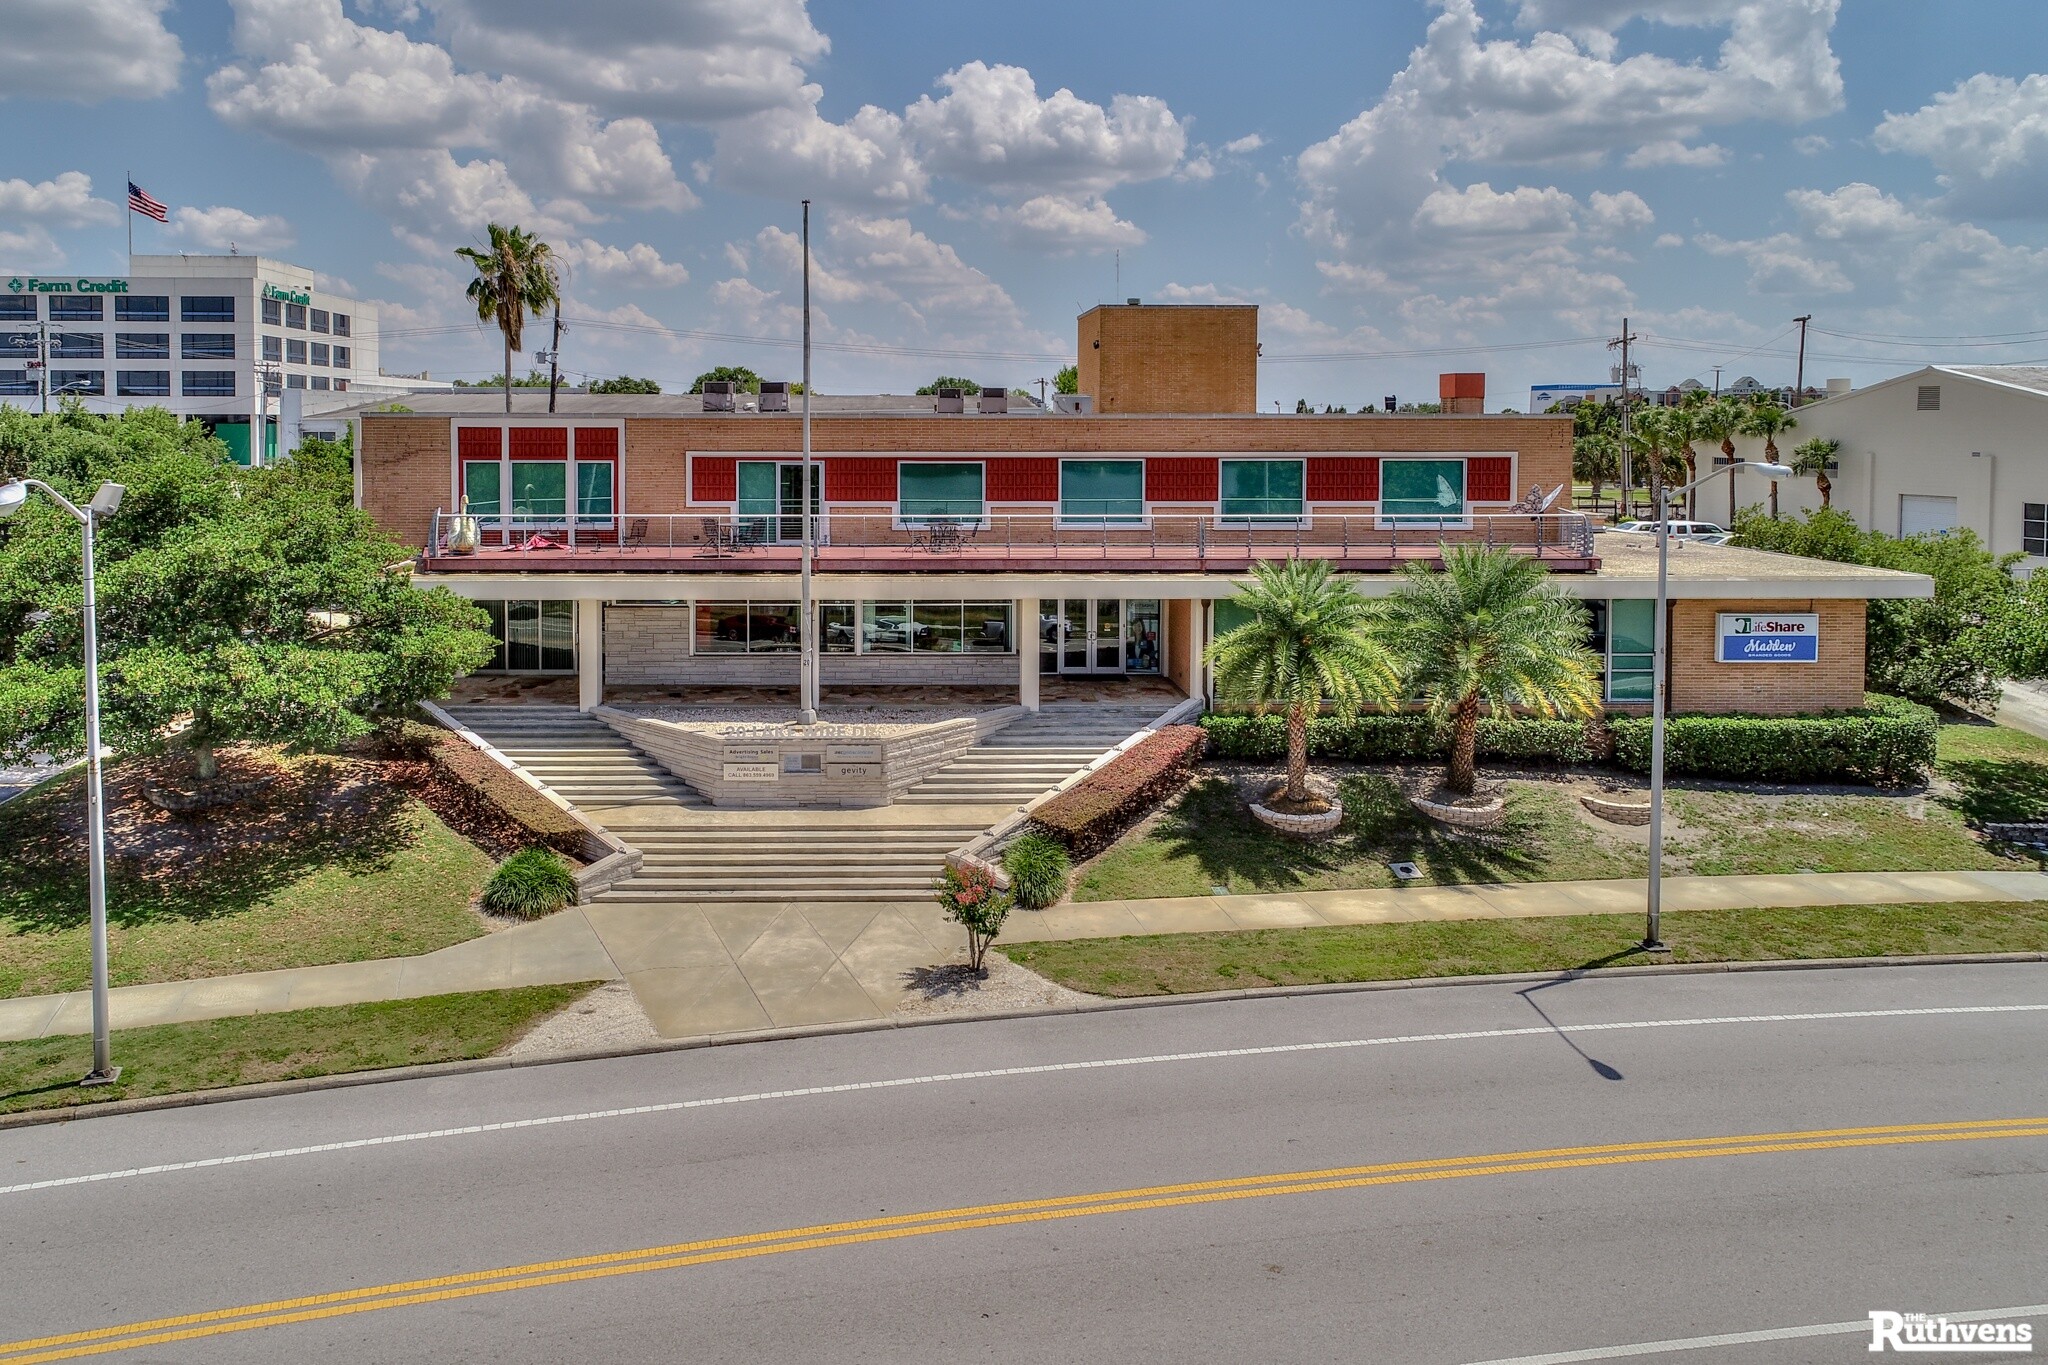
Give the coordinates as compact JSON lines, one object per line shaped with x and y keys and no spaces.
{"x":625,"y":895}
{"x":738,"y":862}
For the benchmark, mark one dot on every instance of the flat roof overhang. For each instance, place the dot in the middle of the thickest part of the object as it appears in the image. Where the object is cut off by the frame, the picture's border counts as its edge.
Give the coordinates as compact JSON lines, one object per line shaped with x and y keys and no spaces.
{"x":1794,"y":578}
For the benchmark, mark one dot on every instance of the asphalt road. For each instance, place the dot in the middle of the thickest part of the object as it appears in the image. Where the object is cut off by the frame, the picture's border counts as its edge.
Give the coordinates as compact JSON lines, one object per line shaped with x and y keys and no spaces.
{"x":1142,"y":1211}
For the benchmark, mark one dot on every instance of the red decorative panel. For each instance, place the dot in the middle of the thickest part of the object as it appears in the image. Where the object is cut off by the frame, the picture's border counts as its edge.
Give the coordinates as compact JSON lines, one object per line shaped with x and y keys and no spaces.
{"x":714,"y":478}
{"x":1343,"y":478}
{"x":860,"y":479}
{"x":479,"y":443}
{"x":539,"y":443}
{"x":1032,"y":480}
{"x":1180,"y":478}
{"x":597,"y":443}
{"x":1490,"y":478}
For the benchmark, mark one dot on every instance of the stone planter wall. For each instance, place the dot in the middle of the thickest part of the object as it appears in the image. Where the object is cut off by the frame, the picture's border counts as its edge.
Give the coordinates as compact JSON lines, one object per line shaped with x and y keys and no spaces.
{"x":1463,"y":817}
{"x":1617,"y":812}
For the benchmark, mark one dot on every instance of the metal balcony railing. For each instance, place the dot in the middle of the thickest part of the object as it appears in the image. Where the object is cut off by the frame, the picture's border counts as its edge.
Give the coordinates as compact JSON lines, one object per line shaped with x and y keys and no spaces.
{"x":1178,"y":537}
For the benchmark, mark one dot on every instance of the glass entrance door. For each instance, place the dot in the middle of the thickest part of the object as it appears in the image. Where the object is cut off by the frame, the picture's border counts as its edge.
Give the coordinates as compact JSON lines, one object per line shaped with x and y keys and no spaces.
{"x":790,"y":500}
{"x":1086,"y":636}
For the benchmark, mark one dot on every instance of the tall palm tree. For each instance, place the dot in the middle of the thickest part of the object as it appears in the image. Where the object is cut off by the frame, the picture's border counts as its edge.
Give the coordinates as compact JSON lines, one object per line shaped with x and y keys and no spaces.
{"x":515,"y":275}
{"x":1654,"y":435}
{"x":1490,"y":631}
{"x":1687,"y":427}
{"x":1596,"y":458}
{"x":1768,"y":420}
{"x":1813,"y":457}
{"x":1720,"y":420}
{"x":1309,"y":641}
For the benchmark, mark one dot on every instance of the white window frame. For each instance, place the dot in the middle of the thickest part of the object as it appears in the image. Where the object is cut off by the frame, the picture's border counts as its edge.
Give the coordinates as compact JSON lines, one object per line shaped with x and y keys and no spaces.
{"x":1385,"y":521}
{"x":1223,"y":518}
{"x":503,"y":521}
{"x":1144,"y":518}
{"x":896,"y":521}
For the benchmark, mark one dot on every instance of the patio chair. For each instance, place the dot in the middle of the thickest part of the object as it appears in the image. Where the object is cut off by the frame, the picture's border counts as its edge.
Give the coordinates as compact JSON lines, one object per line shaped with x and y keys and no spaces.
{"x":942,"y":536}
{"x":717,"y":542}
{"x":636,"y":533}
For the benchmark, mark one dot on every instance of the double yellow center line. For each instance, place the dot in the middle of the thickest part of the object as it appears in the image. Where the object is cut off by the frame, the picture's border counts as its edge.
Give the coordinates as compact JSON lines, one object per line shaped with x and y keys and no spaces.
{"x":539,"y":1274}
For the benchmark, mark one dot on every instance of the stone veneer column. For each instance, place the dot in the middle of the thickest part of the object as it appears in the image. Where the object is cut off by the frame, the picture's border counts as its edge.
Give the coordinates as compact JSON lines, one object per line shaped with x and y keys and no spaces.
{"x":1026,"y":633}
{"x":589,"y":653}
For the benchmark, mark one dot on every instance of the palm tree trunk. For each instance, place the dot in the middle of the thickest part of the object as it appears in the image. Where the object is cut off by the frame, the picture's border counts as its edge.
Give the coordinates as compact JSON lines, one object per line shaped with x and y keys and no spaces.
{"x":1826,"y":487}
{"x":1728,"y":453}
{"x":1692,"y":472}
{"x":1297,"y":754}
{"x":1461,"y":774}
{"x":508,"y":372}
{"x":1771,"y":457}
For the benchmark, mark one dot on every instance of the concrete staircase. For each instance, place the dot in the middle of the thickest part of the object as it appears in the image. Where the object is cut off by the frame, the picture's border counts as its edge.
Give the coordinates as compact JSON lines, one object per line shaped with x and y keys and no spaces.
{"x":776,"y":856}
{"x":1029,"y":756}
{"x":581,"y":758}
{"x":694,"y":853}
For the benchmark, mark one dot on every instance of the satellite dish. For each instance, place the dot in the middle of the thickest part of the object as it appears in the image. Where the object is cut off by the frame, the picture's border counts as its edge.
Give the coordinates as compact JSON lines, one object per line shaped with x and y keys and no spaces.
{"x":1549,"y":499}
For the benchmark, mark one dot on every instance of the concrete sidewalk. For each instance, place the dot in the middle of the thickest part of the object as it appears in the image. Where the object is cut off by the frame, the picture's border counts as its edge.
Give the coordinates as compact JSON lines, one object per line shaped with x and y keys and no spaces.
{"x":1520,"y":900}
{"x":708,"y":969}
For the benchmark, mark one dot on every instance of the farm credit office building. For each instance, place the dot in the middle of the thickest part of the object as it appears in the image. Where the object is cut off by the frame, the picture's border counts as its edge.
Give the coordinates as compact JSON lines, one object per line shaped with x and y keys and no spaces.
{"x":649,"y":545}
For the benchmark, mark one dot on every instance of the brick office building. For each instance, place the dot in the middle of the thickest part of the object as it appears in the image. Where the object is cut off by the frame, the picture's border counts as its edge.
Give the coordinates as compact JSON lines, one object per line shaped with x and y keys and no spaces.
{"x":637,"y":542}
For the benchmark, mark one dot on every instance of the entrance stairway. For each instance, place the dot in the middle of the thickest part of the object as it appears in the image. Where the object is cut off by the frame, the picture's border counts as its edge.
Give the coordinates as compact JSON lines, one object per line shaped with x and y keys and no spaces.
{"x":1029,"y":756}
{"x":580,"y":757}
{"x":693,"y":853}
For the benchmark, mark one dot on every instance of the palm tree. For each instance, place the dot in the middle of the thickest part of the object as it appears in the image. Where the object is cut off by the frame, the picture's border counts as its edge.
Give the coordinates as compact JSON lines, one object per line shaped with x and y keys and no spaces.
{"x":514,"y":275}
{"x":1309,"y":641}
{"x":1768,"y":420}
{"x":1596,"y":458}
{"x":1719,"y":420}
{"x":1654,"y":435}
{"x":1490,"y":631}
{"x":1813,"y":457}
{"x":1687,"y":426}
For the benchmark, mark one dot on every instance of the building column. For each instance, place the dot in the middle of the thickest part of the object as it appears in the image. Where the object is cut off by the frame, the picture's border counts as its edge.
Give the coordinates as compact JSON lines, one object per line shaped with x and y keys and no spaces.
{"x":589,"y":653}
{"x":1191,"y":648}
{"x":1027,"y":653}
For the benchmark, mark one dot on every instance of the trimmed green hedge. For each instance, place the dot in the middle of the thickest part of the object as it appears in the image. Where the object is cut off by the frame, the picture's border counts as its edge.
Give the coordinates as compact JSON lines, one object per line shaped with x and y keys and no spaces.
{"x":1400,"y":738}
{"x":1888,"y":742}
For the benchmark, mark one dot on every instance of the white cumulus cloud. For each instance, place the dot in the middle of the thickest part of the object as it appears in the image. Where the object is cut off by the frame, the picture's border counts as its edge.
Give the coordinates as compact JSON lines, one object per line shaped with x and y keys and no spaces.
{"x":222,"y":226}
{"x":88,"y":50}
{"x":992,"y":128}
{"x":1988,"y":137}
{"x":64,"y":200}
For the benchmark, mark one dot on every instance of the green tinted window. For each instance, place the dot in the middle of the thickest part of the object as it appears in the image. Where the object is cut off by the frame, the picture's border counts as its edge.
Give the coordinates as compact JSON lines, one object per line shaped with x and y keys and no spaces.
{"x":1262,"y":488}
{"x":1422,"y":490}
{"x":594,"y":492}
{"x":1631,"y":649}
{"x":926,"y":490}
{"x":481,"y":480}
{"x":540,"y":489}
{"x":1102,"y":490}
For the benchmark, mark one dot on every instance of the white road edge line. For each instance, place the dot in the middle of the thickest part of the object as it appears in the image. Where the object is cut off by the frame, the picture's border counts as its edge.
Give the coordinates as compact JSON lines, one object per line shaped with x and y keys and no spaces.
{"x":1043,"y":1069}
{"x":1825,"y":1329}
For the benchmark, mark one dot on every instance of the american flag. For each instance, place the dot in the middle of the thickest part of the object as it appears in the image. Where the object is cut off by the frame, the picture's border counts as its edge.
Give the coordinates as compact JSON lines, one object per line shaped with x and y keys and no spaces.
{"x":140,"y":202}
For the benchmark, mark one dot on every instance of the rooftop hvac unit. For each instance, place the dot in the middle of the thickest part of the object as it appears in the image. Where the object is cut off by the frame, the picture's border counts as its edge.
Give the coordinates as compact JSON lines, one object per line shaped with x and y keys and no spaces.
{"x":952,"y":400}
{"x":994,"y":400}
{"x":1074,"y":404}
{"x":774,"y":395}
{"x":718,"y":395}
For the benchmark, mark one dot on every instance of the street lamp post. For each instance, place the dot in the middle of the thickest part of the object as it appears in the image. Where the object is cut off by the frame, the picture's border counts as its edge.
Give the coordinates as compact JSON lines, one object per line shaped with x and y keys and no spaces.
{"x":104,"y":503}
{"x":1653,"y":941}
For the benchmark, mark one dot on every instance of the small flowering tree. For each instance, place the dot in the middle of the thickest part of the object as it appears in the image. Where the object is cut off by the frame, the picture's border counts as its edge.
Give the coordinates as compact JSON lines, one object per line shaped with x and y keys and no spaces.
{"x":970,"y":897}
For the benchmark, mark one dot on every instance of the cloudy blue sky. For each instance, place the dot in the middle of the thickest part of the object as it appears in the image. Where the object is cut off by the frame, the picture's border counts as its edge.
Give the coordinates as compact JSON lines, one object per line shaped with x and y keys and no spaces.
{"x":1405,"y":186}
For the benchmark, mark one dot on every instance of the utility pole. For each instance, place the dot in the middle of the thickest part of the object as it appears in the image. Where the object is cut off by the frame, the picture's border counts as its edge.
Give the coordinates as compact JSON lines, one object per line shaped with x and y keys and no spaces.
{"x":43,"y":360}
{"x":1717,"y":381}
{"x":1627,"y":487}
{"x":807,"y":638}
{"x":1799,"y":380}
{"x":259,"y":433}
{"x":1041,"y":393}
{"x":554,"y":355}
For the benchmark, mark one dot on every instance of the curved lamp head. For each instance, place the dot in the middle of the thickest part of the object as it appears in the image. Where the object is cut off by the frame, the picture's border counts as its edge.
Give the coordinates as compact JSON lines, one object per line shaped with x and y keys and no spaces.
{"x":1769,"y":470}
{"x":12,"y":496}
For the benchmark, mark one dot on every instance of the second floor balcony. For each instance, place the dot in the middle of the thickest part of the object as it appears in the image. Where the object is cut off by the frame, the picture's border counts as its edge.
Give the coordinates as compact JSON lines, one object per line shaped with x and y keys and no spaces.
{"x":896,"y":541}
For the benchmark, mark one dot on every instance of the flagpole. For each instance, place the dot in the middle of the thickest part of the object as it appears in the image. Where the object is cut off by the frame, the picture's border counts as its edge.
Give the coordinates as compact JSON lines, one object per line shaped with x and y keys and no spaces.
{"x":129,"y":177}
{"x":807,"y":660}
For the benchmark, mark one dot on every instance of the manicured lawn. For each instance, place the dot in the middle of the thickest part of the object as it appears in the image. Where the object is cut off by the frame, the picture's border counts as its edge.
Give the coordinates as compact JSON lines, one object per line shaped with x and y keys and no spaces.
{"x":175,"y":1058}
{"x":1174,"y":964}
{"x":327,"y":865}
{"x":1209,"y":839}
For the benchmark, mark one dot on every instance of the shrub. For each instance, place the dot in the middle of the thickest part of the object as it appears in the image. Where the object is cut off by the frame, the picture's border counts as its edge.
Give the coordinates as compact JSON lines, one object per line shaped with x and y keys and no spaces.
{"x":1888,"y":742}
{"x":1400,"y":738}
{"x":971,"y":899}
{"x":531,"y":883}
{"x":1038,"y":869}
{"x":1088,"y":816}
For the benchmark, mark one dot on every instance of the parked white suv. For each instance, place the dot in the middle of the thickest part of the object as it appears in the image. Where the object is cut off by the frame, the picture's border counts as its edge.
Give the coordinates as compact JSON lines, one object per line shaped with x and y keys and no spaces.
{"x":1680,"y":530}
